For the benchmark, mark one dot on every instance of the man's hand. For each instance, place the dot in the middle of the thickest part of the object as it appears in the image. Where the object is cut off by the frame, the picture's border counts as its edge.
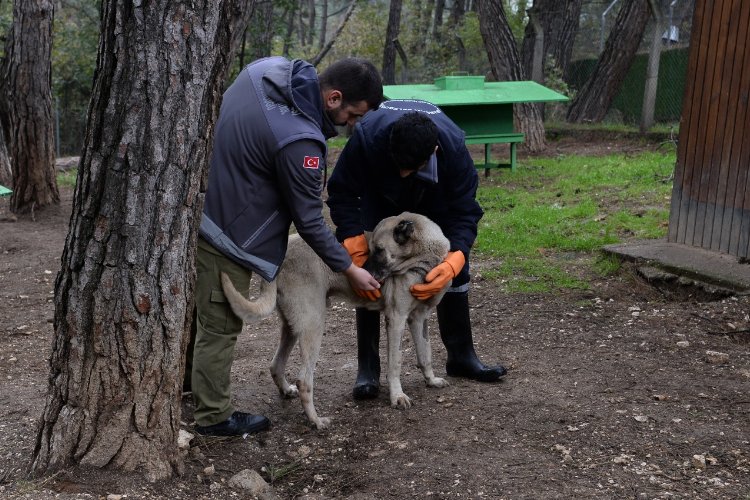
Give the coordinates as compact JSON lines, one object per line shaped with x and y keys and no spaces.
{"x":440,"y":276}
{"x":363,"y":283}
{"x":357,"y":248}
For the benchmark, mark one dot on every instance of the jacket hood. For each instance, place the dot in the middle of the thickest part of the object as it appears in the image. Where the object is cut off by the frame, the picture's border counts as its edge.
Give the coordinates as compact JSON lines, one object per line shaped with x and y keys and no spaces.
{"x":295,"y":84}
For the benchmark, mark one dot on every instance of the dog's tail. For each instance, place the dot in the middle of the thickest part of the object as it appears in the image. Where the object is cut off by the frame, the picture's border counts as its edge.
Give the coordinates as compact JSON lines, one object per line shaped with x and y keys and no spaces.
{"x":250,"y":311}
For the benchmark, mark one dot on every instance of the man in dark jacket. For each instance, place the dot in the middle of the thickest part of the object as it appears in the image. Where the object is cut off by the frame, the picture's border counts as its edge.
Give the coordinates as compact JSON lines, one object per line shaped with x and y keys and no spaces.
{"x":266,"y":173}
{"x":408,"y":155}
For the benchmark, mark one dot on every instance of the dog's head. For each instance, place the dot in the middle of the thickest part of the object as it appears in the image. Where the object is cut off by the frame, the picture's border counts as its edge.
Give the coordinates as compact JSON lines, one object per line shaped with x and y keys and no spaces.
{"x":404,"y":242}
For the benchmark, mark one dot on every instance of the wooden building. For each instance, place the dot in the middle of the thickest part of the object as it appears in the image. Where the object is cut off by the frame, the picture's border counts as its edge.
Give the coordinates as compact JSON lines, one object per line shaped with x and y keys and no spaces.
{"x":711,"y":194}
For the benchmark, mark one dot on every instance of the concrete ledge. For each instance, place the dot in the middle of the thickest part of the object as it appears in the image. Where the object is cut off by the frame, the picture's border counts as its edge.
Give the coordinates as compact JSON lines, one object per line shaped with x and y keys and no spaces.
{"x":693,"y":262}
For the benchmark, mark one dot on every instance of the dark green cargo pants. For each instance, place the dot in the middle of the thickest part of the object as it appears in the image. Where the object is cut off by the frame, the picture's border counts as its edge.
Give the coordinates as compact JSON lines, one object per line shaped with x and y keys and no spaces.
{"x":213,"y":336}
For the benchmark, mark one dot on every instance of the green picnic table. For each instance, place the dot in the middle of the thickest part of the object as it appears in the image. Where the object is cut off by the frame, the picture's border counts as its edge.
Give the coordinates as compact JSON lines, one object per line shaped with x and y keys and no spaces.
{"x":4,"y":191}
{"x":484,"y":110}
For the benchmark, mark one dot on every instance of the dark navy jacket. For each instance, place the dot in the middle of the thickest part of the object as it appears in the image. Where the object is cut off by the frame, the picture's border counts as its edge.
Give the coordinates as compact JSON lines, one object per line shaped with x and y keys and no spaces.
{"x":365,"y":187}
{"x":267,"y":167}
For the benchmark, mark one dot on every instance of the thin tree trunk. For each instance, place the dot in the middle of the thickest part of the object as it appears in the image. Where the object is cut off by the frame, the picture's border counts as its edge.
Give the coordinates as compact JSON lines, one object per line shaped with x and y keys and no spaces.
{"x":291,"y":11}
{"x":438,"y":19}
{"x":596,"y":96}
{"x":319,"y":57}
{"x":260,"y":31}
{"x":506,"y":65}
{"x":652,"y":69}
{"x":457,"y":16}
{"x":559,"y":20}
{"x":311,"y":17}
{"x":323,"y":25}
{"x":424,"y":24}
{"x":28,"y":84}
{"x":123,"y":297}
{"x":6,"y":174}
{"x":391,"y":35}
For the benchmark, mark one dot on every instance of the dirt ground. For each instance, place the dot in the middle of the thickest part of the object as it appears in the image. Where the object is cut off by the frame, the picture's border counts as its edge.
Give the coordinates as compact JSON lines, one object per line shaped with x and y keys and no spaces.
{"x":612,"y":392}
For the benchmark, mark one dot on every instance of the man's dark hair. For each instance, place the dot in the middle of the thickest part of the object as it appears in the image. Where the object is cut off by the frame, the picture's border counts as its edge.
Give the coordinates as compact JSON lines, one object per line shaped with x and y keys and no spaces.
{"x":356,"y":78}
{"x":413,"y":139}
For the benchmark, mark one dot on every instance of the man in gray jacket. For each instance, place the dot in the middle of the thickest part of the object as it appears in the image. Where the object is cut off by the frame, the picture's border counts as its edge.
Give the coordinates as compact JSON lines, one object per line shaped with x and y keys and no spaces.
{"x":267,"y":168}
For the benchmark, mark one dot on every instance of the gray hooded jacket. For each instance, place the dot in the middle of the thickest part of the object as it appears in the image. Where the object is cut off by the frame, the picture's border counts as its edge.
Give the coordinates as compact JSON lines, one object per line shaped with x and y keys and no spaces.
{"x":267,"y":166}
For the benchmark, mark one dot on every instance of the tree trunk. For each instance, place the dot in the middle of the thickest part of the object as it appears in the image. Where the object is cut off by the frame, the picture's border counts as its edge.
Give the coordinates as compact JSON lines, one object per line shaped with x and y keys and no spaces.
{"x":437,"y":22}
{"x":311,"y":18}
{"x":320,"y":55}
{"x":291,"y":11}
{"x":506,"y":65}
{"x":123,"y":297}
{"x":389,"y":51}
{"x":6,"y":173}
{"x":423,"y":26}
{"x":559,"y":21}
{"x":595,"y":97}
{"x":260,"y":32}
{"x":652,"y":69}
{"x":28,"y":85}
{"x":323,"y":25}
{"x":457,"y":16}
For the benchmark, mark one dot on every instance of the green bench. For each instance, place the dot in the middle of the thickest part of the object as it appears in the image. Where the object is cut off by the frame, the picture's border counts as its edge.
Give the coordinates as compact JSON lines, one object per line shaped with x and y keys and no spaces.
{"x":484,"y":110}
{"x":488,"y":141}
{"x":4,"y":191}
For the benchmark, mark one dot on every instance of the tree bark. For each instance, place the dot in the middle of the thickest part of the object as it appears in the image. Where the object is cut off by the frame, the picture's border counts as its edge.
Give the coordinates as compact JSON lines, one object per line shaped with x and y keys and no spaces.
{"x":559,"y":21}
{"x":323,"y":25}
{"x":323,"y":51}
{"x":260,"y":32}
{"x":6,"y":173}
{"x":28,"y":85}
{"x":652,"y":69}
{"x":595,"y":97}
{"x":389,"y":50}
{"x":437,"y":22}
{"x":506,"y":65}
{"x":123,"y":297}
{"x":457,"y":16}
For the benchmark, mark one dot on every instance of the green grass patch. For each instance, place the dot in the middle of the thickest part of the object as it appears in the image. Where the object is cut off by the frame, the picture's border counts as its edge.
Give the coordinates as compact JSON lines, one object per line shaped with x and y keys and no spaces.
{"x":67,"y":178}
{"x":532,"y":275}
{"x":570,"y":204}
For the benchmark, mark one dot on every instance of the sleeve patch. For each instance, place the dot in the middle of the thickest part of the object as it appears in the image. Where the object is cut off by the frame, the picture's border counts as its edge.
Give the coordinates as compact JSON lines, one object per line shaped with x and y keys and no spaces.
{"x":311,"y":162}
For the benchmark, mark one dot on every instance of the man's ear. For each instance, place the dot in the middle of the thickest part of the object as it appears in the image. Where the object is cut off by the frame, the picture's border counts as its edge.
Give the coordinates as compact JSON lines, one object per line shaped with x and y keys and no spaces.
{"x":332,"y":99}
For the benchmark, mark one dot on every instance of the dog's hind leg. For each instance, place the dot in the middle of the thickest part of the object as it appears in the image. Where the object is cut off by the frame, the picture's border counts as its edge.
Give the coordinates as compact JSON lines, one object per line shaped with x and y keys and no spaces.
{"x":287,"y":340}
{"x":394,"y":325}
{"x":420,"y":335}
{"x":310,"y":339}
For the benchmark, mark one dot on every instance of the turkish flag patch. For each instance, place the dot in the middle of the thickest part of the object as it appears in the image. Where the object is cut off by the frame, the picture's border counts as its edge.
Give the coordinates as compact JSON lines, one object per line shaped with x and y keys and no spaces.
{"x":311,"y":162}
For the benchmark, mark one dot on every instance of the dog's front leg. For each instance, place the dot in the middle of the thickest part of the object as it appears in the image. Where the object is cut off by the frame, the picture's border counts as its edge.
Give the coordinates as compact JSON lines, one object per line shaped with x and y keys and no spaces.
{"x":420,"y":335}
{"x":394,"y":325}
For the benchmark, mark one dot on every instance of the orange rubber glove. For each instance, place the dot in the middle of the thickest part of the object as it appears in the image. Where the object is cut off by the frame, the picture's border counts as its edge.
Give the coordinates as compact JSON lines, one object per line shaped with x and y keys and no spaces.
{"x":357,"y":248}
{"x":440,"y":276}
{"x":371,"y":295}
{"x":359,"y":251}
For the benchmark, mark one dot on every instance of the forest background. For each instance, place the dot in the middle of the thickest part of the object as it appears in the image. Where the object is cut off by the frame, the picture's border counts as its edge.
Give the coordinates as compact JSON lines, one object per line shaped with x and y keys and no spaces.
{"x":433,"y":38}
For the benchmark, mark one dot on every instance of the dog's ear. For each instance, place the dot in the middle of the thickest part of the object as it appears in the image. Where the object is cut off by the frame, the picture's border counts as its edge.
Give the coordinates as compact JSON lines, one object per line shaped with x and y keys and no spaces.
{"x":403,"y":231}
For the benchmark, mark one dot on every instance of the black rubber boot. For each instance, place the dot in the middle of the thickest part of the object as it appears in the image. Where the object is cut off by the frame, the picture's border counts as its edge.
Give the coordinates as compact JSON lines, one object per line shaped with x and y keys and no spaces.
{"x":455,"y":330}
{"x":367,"y":385}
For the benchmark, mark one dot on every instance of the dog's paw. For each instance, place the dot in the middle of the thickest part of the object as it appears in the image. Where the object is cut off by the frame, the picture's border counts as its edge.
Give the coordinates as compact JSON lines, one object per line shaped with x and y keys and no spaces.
{"x":290,"y":392}
{"x":437,"y":382}
{"x":402,"y":402}
{"x":323,"y":423}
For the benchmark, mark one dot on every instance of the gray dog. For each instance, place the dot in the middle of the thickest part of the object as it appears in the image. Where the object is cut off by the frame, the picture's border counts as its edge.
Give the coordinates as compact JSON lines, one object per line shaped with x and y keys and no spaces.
{"x":403,"y":249}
